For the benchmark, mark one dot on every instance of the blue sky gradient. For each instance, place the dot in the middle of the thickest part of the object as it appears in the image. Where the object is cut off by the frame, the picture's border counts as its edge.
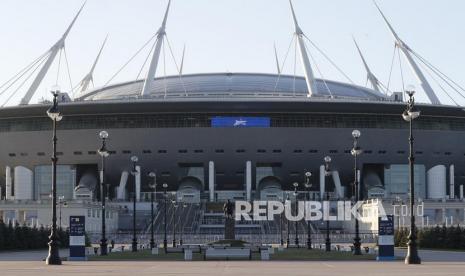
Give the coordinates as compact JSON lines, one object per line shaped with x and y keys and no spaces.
{"x":232,"y":36}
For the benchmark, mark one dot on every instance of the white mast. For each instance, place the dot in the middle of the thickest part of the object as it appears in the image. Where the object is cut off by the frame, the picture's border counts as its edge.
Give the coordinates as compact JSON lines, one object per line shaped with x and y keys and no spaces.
{"x":90,"y":76}
{"x":277,"y":60}
{"x":416,"y":70}
{"x":156,"y":55}
{"x":52,"y":54}
{"x":304,"y":57}
{"x":370,"y":76}
{"x":182,"y":60}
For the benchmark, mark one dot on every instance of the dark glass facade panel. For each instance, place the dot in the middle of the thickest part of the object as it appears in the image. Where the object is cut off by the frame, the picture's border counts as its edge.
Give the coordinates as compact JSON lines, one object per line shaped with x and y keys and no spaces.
{"x":186,"y":120}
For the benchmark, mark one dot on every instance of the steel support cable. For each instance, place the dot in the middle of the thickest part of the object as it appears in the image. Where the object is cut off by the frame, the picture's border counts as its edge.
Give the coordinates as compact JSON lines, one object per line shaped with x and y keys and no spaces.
{"x":146,"y":59}
{"x":442,"y":77}
{"x":25,"y":69}
{"x":284,"y":62}
{"x":130,"y":59}
{"x":401,"y":74}
{"x":386,"y":89}
{"x":319,"y":72}
{"x":295,"y":64}
{"x":392,"y":65}
{"x":69,"y":73}
{"x":164,"y":67}
{"x":176,"y":64}
{"x":435,"y":69}
{"x":329,"y":59}
{"x":58,"y":68}
{"x":23,"y":72}
{"x":438,"y":84}
{"x":22,"y":83}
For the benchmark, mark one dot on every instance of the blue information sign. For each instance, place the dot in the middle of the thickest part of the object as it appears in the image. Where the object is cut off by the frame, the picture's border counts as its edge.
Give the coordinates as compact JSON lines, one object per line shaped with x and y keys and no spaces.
{"x":385,"y":238}
{"x":77,"y":238}
{"x":220,"y":121}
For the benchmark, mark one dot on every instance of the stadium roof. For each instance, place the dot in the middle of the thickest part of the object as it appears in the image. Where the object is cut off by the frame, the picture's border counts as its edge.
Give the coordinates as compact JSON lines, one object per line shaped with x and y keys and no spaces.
{"x":229,"y":85}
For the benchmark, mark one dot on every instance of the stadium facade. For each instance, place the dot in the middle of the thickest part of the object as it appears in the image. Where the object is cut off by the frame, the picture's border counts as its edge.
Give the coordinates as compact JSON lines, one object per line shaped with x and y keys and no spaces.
{"x":213,"y":137}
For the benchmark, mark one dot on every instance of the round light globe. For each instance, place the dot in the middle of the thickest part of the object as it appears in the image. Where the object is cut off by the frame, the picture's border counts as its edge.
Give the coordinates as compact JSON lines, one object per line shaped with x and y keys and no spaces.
{"x":356,"y":133}
{"x":103,"y":134}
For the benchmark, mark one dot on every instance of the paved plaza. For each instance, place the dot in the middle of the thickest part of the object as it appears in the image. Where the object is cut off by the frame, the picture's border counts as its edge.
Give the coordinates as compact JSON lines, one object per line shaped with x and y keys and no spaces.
{"x":434,"y":263}
{"x":236,"y":268}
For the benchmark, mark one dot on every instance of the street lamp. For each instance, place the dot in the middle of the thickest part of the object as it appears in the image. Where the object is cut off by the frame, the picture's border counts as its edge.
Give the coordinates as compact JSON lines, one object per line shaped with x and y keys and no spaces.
{"x":184,"y":206}
{"x":175,"y":205}
{"x":356,"y":151}
{"x":288,"y":225}
{"x":61,"y":202}
{"x":281,"y":223}
{"x":165,"y":240}
{"x":295,"y":184}
{"x":410,"y":114}
{"x":104,"y":153}
{"x":53,"y":113}
{"x":327,"y":160}
{"x":134,"y":160}
{"x":308,"y":185}
{"x":153,"y":186}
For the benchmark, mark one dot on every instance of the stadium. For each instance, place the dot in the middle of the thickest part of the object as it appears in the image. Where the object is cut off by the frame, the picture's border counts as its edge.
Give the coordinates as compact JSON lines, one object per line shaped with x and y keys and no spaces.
{"x":237,"y":136}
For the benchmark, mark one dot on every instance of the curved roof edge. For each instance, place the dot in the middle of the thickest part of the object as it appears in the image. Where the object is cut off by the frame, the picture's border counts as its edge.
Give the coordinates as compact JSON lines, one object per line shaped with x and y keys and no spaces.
{"x":372,"y":92}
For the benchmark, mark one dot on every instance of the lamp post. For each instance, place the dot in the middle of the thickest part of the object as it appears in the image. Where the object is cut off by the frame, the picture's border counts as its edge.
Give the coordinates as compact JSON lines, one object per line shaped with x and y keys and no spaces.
{"x":356,"y":151}
{"x":104,"y":153}
{"x":134,"y":160}
{"x":327,"y":160}
{"x":175,"y":205}
{"x":410,"y":114}
{"x":308,"y":185}
{"x":184,"y":206}
{"x":153,"y":186}
{"x":288,"y":225}
{"x":165,"y":240}
{"x":295,"y":184}
{"x":53,"y":113}
{"x":281,"y":223}
{"x":61,"y":201}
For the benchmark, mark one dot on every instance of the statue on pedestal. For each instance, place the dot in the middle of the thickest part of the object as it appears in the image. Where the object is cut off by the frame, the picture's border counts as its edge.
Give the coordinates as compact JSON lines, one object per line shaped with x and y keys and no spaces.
{"x":229,"y":222}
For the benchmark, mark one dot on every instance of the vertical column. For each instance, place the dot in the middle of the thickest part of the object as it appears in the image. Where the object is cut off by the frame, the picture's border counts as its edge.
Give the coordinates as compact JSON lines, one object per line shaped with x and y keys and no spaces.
{"x":248,"y":179}
{"x":138,"y":183}
{"x":8,"y":184}
{"x":461,"y":192}
{"x":211,"y":180}
{"x":452,"y":182}
{"x":322,"y":181}
{"x":337,"y":183}
{"x":122,"y":185}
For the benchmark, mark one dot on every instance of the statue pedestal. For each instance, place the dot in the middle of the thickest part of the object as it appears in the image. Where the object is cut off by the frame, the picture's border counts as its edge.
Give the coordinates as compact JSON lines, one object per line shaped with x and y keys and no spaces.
{"x":229,"y":231}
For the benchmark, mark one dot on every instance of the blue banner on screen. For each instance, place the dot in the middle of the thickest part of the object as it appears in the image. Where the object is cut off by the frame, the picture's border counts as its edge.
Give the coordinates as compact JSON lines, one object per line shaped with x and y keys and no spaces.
{"x":241,"y":122}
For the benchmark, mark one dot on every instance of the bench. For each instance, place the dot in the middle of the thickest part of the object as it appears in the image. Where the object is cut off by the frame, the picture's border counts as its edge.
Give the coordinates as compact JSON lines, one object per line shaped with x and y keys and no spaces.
{"x":227,"y":253}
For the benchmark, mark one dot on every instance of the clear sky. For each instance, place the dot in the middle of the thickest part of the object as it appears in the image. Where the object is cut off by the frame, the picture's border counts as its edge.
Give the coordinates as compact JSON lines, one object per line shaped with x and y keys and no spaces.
{"x":231,"y":36}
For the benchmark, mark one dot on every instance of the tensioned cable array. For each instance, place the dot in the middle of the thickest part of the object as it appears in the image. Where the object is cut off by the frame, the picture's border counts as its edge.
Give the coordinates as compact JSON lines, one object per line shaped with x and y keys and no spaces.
{"x":25,"y":74}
